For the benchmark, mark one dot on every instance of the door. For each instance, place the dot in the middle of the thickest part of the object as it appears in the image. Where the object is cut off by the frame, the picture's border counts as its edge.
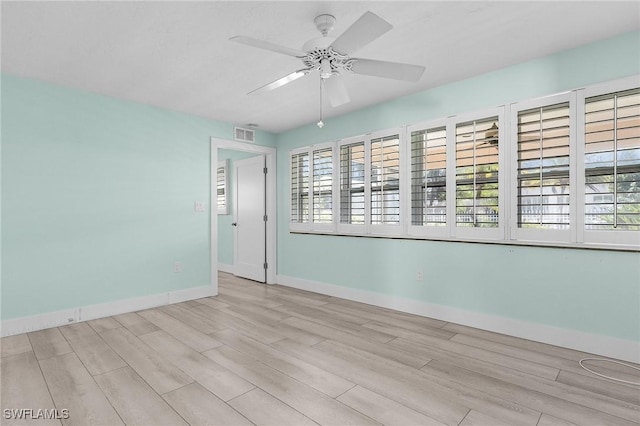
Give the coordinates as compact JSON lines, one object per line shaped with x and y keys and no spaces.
{"x":249,"y":219}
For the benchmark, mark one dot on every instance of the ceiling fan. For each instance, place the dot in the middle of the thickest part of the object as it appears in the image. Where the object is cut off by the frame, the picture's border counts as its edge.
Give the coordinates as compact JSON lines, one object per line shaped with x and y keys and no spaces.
{"x":331,"y":56}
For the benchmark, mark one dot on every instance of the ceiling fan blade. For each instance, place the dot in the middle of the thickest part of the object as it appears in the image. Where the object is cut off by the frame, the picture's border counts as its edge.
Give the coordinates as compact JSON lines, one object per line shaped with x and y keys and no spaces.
{"x":385,"y":69}
{"x":281,"y":81}
{"x":336,"y":91}
{"x":261,"y":44}
{"x":362,"y":32}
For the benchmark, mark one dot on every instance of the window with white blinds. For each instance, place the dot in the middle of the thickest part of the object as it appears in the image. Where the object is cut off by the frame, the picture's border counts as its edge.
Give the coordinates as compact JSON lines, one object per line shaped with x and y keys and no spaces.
{"x":612,"y":161}
{"x":221,"y":188}
{"x":543,"y":199}
{"x":352,"y":174}
{"x":429,"y":177}
{"x":385,"y":180}
{"x":323,"y":185}
{"x":477,"y":190}
{"x":559,"y":170}
{"x":300,"y":188}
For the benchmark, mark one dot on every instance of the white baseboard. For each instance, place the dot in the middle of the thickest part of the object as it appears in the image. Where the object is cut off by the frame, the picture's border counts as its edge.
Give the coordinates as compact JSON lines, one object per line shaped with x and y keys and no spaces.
{"x":225,"y":267}
{"x":68,"y":316}
{"x":621,"y":349}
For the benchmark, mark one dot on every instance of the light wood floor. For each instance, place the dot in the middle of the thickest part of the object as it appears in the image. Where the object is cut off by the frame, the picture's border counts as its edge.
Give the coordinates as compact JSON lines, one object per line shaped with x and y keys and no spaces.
{"x":270,"y":355}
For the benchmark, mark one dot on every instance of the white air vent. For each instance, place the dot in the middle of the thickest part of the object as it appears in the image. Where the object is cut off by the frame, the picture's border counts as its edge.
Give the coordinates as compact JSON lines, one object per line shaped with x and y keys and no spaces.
{"x":244,"y":135}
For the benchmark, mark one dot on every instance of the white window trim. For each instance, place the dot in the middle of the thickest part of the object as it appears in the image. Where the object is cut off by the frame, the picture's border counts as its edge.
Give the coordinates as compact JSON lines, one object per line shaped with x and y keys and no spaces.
{"x":224,"y":164}
{"x":426,"y":230}
{"x":546,"y":235}
{"x":599,"y":237}
{"x":482,"y":234}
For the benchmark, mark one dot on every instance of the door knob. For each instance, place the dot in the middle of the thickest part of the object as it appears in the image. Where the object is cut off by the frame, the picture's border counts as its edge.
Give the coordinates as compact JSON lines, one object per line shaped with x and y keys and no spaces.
{"x":234,"y":224}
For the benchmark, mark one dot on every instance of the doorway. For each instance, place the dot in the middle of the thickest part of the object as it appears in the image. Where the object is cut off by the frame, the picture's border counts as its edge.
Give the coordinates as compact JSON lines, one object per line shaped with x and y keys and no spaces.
{"x":268,"y":155}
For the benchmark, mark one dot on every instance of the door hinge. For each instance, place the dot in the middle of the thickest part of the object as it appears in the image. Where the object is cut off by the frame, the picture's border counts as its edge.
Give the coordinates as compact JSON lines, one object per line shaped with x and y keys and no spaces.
{"x":266,"y":265}
{"x":264,"y":217}
{"x":265,"y":170}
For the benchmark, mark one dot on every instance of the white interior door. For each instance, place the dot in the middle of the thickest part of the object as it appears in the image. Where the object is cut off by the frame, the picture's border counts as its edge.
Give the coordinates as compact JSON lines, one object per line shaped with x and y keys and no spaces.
{"x":249,"y":223}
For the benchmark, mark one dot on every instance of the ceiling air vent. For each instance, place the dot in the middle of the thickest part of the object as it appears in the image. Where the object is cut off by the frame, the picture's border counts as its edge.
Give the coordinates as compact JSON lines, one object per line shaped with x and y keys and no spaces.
{"x":244,"y":135}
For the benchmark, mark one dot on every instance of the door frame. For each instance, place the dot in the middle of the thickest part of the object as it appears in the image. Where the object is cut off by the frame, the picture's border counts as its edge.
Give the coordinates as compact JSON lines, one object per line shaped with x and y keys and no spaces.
{"x":270,"y":154}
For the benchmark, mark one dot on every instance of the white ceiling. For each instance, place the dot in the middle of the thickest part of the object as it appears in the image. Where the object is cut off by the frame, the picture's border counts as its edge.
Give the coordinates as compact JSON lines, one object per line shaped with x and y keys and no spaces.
{"x":177,"y":55}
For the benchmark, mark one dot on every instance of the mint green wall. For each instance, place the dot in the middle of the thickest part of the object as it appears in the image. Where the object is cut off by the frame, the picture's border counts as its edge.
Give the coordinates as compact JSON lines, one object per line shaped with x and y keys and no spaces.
{"x":587,"y":290}
{"x":225,"y":230}
{"x":97,"y":198}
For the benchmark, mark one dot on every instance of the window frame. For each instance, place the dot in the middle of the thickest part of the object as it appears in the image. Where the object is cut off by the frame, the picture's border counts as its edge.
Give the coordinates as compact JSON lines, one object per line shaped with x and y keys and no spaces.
{"x":544,"y":235}
{"x":476,"y":233}
{"x":387,"y":229}
{"x":322,"y":226}
{"x":425,"y":230}
{"x":298,"y":226}
{"x":618,"y":238}
{"x":310,"y":225}
{"x":352,"y":228}
{"x":368,"y":228}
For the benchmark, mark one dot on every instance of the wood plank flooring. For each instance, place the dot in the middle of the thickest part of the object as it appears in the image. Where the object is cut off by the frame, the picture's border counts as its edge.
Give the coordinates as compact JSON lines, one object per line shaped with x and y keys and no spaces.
{"x":272,"y":355}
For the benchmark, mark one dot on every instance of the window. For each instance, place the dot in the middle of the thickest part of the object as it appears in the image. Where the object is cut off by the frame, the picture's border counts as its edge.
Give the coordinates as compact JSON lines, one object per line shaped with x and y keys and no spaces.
{"x":543,"y":197}
{"x":221,"y":187}
{"x":370,"y":184}
{"x":612,"y":161}
{"x":385,"y":180}
{"x":312,"y":188}
{"x":352,"y":204}
{"x":429,"y":177}
{"x":477,"y":180}
{"x":323,"y":185}
{"x":300,"y":188}
{"x":559,"y":170}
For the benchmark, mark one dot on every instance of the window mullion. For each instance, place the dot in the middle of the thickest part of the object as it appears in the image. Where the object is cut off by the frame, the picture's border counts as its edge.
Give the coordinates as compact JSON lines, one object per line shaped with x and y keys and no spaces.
{"x":541,"y":141}
{"x":615,"y":161}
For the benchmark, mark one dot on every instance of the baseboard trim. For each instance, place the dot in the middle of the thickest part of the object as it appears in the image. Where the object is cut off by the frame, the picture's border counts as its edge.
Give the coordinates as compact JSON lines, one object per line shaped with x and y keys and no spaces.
{"x":69,"y":316}
{"x":225,"y":267}
{"x":621,"y":349}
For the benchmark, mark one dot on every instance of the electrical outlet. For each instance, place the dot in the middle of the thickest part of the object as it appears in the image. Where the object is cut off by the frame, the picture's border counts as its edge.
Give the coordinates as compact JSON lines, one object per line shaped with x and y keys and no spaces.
{"x":177,"y":266}
{"x":198,"y":206}
{"x":419,"y":276}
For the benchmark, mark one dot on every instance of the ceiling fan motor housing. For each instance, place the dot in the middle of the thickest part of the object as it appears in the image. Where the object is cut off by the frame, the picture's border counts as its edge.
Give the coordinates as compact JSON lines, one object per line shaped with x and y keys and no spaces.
{"x":320,"y":55}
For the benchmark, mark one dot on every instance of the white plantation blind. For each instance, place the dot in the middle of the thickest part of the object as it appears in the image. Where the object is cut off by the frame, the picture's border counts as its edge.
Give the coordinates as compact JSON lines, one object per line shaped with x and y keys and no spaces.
{"x":612,"y":161}
{"x":352,"y":183}
{"x":477,"y":173}
{"x":300,"y":188}
{"x":560,"y":170}
{"x":385,"y":180}
{"x":323,"y":186}
{"x":221,"y":189}
{"x":429,"y":177}
{"x":543,"y":167}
